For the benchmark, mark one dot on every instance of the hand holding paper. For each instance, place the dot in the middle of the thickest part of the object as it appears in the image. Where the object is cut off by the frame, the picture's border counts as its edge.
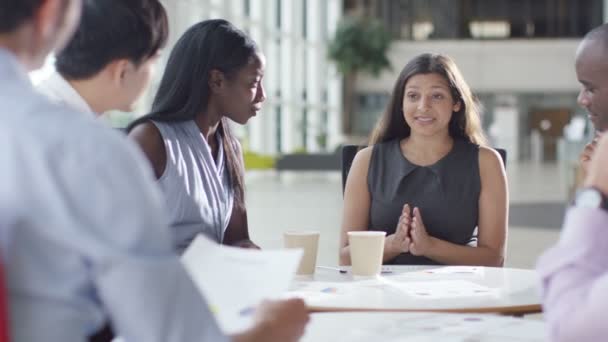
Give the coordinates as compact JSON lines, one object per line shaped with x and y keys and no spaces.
{"x":235,"y":280}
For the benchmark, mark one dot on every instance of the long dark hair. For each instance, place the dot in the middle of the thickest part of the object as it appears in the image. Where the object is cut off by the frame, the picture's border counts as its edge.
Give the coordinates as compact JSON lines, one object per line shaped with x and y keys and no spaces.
{"x":464,"y":124}
{"x":184,"y":89}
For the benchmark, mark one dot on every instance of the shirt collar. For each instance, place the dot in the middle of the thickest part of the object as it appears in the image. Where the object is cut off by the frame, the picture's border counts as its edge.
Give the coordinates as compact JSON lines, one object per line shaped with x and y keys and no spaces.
{"x":10,"y":65}
{"x":59,"y":90}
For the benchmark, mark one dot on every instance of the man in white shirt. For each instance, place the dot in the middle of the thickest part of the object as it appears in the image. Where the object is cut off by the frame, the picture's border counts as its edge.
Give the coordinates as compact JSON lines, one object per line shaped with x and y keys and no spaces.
{"x":89,"y":241}
{"x":110,"y":59}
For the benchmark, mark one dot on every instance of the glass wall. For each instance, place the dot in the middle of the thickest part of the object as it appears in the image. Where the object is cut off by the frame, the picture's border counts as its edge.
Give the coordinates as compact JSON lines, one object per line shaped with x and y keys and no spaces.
{"x":303,"y":105}
{"x":542,"y":126}
{"x":484,"y":19}
{"x":517,"y":55}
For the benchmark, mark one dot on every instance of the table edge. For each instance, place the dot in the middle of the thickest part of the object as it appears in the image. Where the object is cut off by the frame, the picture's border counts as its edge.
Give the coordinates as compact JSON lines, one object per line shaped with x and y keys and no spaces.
{"x":505,"y":310}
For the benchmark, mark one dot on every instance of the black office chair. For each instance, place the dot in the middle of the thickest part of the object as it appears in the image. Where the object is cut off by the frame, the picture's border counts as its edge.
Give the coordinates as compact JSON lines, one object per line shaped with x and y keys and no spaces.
{"x":503,"y":155}
{"x":348,"y":154}
{"x":349,"y":151}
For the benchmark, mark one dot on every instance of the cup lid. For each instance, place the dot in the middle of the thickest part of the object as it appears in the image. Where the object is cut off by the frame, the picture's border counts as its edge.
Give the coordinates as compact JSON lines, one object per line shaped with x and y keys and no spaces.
{"x":367,"y":233}
{"x":302,"y":232}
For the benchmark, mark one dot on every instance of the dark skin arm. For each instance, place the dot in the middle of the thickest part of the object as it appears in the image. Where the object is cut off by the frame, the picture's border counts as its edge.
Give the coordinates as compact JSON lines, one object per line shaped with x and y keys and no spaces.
{"x":237,"y":232}
{"x":148,"y":137}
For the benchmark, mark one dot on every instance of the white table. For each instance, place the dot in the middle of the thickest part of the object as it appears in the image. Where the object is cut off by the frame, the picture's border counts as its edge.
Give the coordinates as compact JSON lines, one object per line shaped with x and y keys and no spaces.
{"x":417,"y":327}
{"x":423,"y":288}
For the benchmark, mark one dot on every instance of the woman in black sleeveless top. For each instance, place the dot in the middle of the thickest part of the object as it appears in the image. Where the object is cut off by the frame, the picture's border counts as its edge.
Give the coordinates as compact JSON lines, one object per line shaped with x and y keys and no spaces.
{"x":427,"y":179}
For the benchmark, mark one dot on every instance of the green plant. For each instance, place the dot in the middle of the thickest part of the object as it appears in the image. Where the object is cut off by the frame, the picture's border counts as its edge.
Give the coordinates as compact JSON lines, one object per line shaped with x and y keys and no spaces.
{"x":322,"y":140}
{"x":360,"y":45}
{"x":255,"y":161}
{"x":299,"y":150}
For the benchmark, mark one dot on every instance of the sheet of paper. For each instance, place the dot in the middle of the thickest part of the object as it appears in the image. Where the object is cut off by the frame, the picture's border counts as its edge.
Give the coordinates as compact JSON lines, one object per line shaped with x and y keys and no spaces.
{"x":234,"y":280}
{"x":430,"y":327}
{"x":318,"y":291}
{"x":443,"y":289}
{"x":454,"y":270}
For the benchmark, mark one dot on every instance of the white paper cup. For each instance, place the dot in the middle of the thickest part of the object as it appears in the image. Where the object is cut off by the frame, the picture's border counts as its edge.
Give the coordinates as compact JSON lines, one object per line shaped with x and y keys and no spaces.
{"x":366,"y":251}
{"x":308,"y":241}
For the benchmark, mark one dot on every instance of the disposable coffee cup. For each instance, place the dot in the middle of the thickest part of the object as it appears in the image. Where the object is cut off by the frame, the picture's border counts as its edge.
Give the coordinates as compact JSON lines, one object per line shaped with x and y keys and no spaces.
{"x":308,"y":241}
{"x":366,"y":251}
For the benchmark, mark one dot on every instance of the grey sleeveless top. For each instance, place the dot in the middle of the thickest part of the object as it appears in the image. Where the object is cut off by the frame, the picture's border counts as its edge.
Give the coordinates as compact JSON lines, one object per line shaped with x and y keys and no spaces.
{"x":447,"y":193}
{"x":197,"y":188}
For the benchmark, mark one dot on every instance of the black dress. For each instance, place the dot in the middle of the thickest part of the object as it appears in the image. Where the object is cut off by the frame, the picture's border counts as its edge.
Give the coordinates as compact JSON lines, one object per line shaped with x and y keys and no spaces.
{"x":447,"y":193}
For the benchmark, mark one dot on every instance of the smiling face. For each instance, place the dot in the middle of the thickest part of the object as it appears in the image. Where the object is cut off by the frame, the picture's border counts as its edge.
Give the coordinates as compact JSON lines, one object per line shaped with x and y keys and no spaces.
{"x":428,"y":104}
{"x":243,"y":94}
{"x":592,"y":73}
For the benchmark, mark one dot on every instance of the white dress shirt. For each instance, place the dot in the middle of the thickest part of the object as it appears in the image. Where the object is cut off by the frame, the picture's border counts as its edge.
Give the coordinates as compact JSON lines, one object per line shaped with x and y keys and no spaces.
{"x":58,"y":90}
{"x":88,"y":238}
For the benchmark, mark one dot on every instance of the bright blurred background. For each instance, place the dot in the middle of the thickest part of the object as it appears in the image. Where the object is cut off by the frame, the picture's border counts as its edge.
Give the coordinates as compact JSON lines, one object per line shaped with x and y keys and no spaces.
{"x":331,"y":65}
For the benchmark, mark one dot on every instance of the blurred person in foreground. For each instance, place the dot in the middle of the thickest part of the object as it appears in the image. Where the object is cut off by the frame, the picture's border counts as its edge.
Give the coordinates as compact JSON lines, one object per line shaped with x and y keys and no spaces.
{"x":89,"y":240}
{"x":108,"y":62}
{"x":592,"y":73}
{"x":574,"y":272}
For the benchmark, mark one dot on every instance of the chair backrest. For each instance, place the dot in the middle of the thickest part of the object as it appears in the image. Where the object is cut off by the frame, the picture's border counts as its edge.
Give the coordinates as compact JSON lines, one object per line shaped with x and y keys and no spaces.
{"x":503,"y":155}
{"x":349,"y":152}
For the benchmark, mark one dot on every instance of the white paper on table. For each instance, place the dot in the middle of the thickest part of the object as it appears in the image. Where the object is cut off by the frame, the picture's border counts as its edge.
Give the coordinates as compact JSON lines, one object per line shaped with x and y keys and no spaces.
{"x":442,"y":289}
{"x":235,"y":280}
{"x":448,"y":327}
{"x":314,"y":291}
{"x":454,"y":270}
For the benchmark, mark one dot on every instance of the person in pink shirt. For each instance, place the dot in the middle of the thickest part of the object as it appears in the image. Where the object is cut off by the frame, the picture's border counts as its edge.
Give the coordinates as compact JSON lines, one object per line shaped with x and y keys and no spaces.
{"x":574,"y":272}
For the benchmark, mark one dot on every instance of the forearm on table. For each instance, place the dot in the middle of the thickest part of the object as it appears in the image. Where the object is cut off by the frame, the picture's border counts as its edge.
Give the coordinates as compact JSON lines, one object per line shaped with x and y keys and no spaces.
{"x":448,"y":253}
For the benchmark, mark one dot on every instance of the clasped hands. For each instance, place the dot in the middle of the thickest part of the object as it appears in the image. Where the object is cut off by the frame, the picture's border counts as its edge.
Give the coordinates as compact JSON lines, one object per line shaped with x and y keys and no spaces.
{"x":410,"y":234}
{"x":587,"y":154}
